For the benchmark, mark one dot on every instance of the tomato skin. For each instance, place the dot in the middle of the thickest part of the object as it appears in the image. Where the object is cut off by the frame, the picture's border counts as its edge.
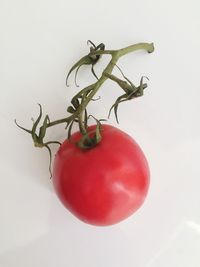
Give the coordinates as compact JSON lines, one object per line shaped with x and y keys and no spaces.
{"x":105,"y":184}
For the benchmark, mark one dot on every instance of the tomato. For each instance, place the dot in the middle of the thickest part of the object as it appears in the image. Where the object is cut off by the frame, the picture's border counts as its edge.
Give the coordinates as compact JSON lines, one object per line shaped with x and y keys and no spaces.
{"x":105,"y":184}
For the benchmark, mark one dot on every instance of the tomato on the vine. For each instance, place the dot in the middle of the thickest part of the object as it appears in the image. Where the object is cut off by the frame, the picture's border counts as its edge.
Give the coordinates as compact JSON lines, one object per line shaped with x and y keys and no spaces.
{"x":100,"y":173}
{"x":105,"y":184}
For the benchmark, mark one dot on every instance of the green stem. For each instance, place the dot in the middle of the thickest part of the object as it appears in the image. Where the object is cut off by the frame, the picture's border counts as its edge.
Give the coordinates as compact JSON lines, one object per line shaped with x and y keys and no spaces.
{"x":81,"y":100}
{"x":92,"y":89}
{"x":64,"y":120}
{"x":149,"y":47}
{"x":82,"y":127}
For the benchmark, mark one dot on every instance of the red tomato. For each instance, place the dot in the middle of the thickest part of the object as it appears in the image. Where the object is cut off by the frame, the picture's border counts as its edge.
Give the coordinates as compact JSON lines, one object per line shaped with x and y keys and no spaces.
{"x":105,"y":184}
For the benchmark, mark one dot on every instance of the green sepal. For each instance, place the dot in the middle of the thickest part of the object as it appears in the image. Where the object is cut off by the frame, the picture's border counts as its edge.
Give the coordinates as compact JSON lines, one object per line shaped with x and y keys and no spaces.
{"x":71,"y":110}
{"x":83,"y":61}
{"x":70,"y":130}
{"x":43,"y":129}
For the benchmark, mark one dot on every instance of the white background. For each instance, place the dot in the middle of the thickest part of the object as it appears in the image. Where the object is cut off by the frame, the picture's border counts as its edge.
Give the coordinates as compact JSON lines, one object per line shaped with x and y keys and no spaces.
{"x":39,"y":41}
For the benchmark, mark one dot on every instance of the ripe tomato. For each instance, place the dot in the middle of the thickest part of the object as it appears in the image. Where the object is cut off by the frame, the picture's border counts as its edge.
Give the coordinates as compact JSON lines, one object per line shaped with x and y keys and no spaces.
{"x":105,"y":184}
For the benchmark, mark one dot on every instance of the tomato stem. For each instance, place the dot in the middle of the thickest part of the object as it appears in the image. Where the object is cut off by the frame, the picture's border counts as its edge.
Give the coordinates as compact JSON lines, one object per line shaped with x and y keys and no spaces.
{"x":80,"y":101}
{"x":116,"y":54}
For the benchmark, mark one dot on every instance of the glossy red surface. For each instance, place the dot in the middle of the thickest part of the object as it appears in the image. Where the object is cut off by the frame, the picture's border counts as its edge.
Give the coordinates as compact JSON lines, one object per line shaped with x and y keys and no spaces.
{"x":105,"y":184}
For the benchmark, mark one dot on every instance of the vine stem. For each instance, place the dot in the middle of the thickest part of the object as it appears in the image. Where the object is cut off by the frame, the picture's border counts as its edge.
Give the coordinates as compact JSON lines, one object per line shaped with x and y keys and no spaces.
{"x":115,"y":56}
{"x":81,"y":99}
{"x":82,"y":127}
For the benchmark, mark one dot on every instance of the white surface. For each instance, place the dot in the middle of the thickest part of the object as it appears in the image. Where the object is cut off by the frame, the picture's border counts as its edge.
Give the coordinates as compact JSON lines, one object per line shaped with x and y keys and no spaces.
{"x":40,"y":40}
